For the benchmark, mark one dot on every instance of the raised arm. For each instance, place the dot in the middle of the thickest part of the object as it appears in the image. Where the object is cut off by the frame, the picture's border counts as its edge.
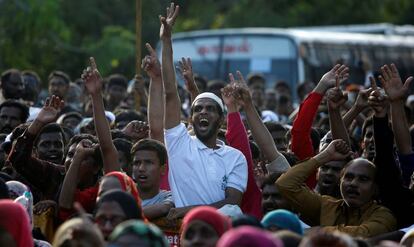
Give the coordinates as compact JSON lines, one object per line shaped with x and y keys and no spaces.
{"x":93,"y":84}
{"x":299,"y":196}
{"x":301,"y":141}
{"x":336,"y":98}
{"x":359,"y":106}
{"x":396,"y":92}
{"x":155,"y":112}
{"x":260,"y":133}
{"x":172,"y":100}
{"x":186,"y":70}
{"x":20,"y":156}
{"x":236,"y":137}
{"x":70,"y":183}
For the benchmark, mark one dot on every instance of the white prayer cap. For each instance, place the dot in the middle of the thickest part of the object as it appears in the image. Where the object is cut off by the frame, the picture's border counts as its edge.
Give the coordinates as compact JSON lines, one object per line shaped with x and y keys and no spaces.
{"x":212,"y":96}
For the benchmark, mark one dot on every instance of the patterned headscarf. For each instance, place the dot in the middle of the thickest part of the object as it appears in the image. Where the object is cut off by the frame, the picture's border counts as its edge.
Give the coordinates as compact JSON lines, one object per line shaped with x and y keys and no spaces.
{"x":148,"y":233}
{"x":128,"y":186}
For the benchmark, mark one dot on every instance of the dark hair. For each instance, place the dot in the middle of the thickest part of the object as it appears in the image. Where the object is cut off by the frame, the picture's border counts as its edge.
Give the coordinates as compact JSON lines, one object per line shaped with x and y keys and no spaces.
{"x":289,"y":238}
{"x":151,"y":145}
{"x":291,"y":158}
{"x":117,"y":79}
{"x":251,"y":78}
{"x":5,"y":76}
{"x":125,"y":146}
{"x":275,"y":126}
{"x":128,"y":115}
{"x":128,"y":204}
{"x":215,"y":84}
{"x":74,"y":114}
{"x":271,"y":178}
{"x":77,"y":138}
{"x":16,"y":104}
{"x":283,"y":84}
{"x":33,"y":74}
{"x":59,"y":74}
{"x":50,"y":128}
{"x":245,"y":220}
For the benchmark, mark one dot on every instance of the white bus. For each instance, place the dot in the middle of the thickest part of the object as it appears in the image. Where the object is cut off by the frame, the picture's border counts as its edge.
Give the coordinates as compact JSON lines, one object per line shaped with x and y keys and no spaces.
{"x":292,"y":55}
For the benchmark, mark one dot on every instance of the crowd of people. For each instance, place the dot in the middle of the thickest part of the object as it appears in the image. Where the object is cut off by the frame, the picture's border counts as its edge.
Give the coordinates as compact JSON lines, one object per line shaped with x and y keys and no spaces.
{"x":113,"y":162}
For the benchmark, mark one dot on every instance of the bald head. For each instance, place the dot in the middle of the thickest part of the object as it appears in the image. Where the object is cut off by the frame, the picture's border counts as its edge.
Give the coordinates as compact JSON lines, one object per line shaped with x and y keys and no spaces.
{"x":358,"y":182}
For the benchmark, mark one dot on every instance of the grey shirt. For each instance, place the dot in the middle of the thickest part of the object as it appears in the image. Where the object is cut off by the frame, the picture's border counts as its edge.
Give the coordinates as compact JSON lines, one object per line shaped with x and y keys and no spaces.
{"x":163,"y":197}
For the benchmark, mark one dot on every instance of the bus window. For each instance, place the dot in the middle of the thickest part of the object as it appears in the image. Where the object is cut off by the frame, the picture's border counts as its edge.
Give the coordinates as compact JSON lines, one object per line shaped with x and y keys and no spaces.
{"x":216,"y":56}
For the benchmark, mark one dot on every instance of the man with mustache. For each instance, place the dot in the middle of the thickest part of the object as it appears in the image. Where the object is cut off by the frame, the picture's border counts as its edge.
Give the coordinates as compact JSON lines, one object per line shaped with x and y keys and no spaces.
{"x":356,"y":214}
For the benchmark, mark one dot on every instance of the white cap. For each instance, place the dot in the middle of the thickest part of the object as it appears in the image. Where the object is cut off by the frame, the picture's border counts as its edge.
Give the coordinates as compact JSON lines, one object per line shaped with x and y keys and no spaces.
{"x":212,"y":96}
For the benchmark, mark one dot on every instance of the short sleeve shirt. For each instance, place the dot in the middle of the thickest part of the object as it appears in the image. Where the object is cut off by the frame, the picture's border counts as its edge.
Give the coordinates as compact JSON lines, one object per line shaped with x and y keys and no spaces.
{"x":199,"y":175}
{"x":163,"y":197}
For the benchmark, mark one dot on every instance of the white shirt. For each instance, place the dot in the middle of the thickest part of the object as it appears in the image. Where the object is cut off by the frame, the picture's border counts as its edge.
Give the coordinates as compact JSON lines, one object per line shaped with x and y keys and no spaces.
{"x":199,"y":175}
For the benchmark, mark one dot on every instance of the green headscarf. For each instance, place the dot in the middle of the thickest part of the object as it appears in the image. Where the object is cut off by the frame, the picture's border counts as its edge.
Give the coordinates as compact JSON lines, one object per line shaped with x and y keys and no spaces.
{"x":147,"y":232}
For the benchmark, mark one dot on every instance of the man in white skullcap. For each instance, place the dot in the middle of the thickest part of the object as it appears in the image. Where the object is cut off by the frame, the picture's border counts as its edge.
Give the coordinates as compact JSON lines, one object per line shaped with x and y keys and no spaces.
{"x":202,"y":169}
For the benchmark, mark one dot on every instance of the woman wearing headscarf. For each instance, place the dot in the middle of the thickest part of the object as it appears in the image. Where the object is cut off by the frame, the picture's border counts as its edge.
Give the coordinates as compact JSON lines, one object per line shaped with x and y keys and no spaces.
{"x":113,"y":208}
{"x":282,"y":219}
{"x":203,"y":226}
{"x":15,"y":220}
{"x":138,"y":233}
{"x":248,"y":236}
{"x":118,"y":180}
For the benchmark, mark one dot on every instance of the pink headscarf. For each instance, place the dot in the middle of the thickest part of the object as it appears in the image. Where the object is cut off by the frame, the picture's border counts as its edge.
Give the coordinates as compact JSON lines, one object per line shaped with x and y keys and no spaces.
{"x":208,"y":215}
{"x":15,"y":220}
{"x":248,"y":236}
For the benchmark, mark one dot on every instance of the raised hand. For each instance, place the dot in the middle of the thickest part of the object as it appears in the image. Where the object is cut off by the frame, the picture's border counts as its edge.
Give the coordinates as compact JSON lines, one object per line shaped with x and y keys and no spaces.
{"x":186,"y":70}
{"x":92,"y":78}
{"x":168,"y":22}
{"x":377,"y":99}
{"x":362,"y":99}
{"x":150,"y":63}
{"x":337,"y":75}
{"x":392,"y":83}
{"x":336,"y":150}
{"x":227,"y":94}
{"x":336,"y":98}
{"x":242,"y":93}
{"x":85,"y":147}
{"x":50,"y":110}
{"x":137,"y":130}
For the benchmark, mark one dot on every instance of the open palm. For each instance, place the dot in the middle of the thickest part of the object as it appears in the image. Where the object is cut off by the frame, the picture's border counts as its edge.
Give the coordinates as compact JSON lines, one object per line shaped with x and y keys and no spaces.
{"x":168,"y":22}
{"x":392,"y":83}
{"x":50,"y":110}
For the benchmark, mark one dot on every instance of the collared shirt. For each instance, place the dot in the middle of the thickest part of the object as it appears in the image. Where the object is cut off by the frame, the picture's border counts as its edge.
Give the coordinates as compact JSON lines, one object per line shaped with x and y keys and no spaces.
{"x":199,"y":175}
{"x":331,"y":213}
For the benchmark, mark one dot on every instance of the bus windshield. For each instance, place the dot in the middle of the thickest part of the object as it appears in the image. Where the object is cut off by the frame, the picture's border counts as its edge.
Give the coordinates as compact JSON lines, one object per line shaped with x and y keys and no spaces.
{"x":214,"y":57}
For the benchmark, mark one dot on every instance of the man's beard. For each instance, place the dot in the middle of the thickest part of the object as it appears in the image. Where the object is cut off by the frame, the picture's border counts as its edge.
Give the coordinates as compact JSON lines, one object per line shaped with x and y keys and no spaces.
{"x":210,"y":133}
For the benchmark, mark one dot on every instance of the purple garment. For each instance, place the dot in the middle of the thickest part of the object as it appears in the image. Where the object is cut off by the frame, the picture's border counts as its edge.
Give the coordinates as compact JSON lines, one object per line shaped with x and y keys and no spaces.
{"x":248,"y":236}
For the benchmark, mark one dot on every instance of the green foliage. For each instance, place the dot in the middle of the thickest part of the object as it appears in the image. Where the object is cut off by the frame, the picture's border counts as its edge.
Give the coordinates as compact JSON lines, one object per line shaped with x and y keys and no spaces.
{"x":44,"y":35}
